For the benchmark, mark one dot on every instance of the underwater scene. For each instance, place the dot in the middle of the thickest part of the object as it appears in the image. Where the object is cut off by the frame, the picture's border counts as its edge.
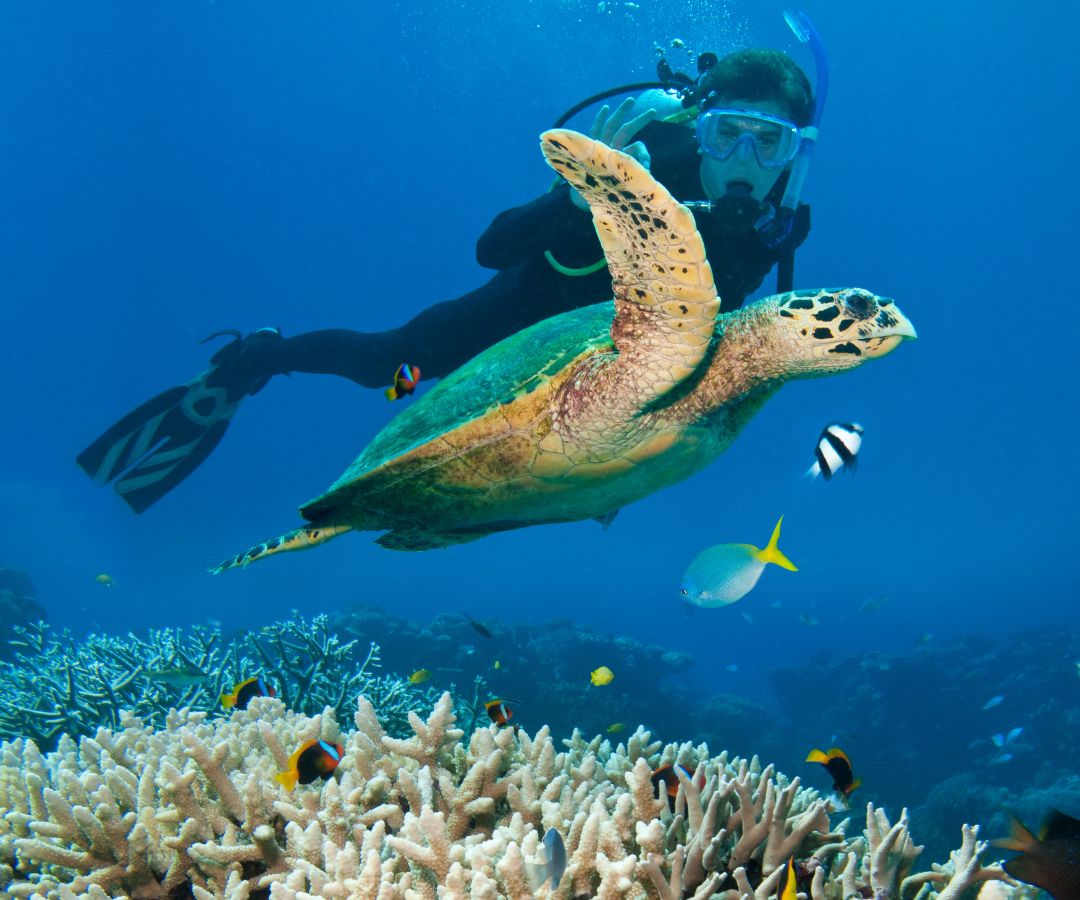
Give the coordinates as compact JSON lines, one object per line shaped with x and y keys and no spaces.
{"x":675,"y":400}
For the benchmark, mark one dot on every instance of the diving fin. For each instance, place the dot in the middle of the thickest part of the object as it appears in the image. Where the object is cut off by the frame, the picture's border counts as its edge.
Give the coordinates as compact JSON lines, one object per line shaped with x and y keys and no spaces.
{"x":156,"y":446}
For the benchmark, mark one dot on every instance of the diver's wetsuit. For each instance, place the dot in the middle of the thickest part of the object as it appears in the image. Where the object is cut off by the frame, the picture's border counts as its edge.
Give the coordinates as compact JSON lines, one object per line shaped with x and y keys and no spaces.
{"x":528,"y":289}
{"x":152,"y":449}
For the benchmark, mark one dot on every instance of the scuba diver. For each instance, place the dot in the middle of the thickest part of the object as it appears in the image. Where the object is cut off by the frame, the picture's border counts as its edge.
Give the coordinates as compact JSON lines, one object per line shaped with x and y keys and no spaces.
{"x":733,"y":144}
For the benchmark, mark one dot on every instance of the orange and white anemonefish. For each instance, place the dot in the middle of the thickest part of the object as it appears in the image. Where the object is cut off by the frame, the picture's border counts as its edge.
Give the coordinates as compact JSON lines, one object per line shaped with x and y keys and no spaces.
{"x":499,"y":712}
{"x":666,"y":775}
{"x":405,"y":380}
{"x":839,"y":766}
{"x":243,"y":691}
{"x":313,"y":759}
{"x":787,"y":889}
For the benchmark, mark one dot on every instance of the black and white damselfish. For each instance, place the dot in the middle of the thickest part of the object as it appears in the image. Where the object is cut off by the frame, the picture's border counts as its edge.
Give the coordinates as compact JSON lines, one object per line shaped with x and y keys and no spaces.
{"x":836,"y":449}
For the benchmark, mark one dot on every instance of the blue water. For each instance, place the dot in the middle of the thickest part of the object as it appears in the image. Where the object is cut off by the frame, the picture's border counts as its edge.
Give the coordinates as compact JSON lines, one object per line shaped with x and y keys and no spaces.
{"x":171,"y":169}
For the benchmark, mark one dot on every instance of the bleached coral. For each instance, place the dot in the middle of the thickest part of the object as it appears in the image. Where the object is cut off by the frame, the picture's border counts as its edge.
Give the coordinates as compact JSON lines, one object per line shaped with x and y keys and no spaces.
{"x":195,"y":807}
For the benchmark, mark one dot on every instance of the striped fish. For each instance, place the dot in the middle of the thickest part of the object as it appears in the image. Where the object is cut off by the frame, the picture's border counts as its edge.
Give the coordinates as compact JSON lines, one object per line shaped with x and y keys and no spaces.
{"x":836,"y":449}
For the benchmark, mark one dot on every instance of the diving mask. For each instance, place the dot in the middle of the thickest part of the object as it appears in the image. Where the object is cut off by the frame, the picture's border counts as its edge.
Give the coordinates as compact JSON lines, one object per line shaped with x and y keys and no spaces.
{"x":723,"y":133}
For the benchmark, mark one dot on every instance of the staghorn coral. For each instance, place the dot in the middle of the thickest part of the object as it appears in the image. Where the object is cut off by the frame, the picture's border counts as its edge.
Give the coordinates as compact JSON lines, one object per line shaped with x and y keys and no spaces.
{"x":192,"y":808}
{"x":57,"y":685}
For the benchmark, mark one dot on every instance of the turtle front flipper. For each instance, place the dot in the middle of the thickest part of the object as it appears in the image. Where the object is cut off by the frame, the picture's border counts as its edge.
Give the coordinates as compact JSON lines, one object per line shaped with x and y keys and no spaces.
{"x":297,"y":539}
{"x":665,"y":299}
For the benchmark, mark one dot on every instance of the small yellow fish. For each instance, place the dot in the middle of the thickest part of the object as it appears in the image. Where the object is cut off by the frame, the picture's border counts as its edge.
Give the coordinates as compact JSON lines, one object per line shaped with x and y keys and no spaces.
{"x":496,"y":665}
{"x":600,"y":677}
{"x":106,"y":580}
{"x":615,"y":728}
{"x":419,"y":676}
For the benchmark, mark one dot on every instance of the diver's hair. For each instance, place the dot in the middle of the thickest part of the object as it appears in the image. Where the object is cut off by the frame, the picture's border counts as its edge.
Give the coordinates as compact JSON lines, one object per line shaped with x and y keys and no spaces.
{"x":759,"y":75}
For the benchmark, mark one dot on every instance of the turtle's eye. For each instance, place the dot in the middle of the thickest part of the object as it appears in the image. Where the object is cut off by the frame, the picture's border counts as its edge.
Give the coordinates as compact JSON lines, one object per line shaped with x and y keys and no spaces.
{"x":684,"y":592}
{"x":860,"y":305}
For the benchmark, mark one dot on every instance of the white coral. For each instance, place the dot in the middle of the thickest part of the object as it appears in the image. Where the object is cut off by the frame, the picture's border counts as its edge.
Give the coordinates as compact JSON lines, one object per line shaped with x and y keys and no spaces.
{"x":139,"y":813}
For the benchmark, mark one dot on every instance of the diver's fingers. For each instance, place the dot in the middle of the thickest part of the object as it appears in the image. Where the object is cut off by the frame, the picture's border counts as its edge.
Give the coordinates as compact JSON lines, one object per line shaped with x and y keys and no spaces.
{"x":628,"y":131}
{"x":596,"y":130}
{"x":616,"y":121}
{"x":640,"y":152}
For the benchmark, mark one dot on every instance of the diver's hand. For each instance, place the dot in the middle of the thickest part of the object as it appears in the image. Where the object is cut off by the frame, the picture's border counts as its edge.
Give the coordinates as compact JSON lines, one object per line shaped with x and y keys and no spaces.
{"x":614,"y":129}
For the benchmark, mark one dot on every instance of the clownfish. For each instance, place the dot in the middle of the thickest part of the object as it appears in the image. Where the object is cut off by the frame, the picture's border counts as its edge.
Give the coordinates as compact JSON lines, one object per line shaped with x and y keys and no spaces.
{"x":243,"y":691}
{"x":405,"y":380}
{"x":499,"y":712}
{"x":839,"y":766}
{"x":666,"y":775}
{"x":313,"y":759}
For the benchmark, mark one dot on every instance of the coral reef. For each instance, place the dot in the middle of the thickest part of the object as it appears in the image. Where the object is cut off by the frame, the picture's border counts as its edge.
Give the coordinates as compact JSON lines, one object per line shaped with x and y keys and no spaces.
{"x":18,"y":607}
{"x":192,"y":809}
{"x":545,"y":666}
{"x":56,"y":685}
{"x":979,"y":687}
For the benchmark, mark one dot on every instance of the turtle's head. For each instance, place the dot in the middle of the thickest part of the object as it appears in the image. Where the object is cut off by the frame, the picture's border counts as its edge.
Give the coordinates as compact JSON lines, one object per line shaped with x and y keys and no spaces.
{"x":833,"y":329}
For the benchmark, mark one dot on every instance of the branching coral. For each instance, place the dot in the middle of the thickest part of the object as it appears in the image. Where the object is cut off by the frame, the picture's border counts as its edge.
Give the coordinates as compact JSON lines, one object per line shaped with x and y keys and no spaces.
{"x":58,"y":685}
{"x":194,"y":807}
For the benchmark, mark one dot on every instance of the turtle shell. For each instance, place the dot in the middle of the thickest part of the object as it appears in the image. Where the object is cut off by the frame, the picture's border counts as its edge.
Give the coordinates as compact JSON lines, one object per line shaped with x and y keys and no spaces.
{"x":512,"y":368}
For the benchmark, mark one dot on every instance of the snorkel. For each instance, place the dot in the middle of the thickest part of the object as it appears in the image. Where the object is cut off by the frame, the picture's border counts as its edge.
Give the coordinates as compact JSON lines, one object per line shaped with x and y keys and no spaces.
{"x":803,"y":29}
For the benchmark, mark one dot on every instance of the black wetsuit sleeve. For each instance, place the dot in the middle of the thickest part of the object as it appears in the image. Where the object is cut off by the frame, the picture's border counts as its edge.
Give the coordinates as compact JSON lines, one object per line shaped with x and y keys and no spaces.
{"x":550,"y":222}
{"x":437,"y":340}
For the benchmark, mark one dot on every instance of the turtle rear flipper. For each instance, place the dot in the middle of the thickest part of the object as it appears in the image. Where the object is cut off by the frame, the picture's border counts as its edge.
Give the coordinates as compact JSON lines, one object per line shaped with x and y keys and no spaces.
{"x":665,"y":300}
{"x":298,"y":539}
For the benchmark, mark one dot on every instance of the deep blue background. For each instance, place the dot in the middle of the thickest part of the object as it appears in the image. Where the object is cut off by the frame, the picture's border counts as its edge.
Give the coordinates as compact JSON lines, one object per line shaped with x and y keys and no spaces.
{"x":170,"y":169}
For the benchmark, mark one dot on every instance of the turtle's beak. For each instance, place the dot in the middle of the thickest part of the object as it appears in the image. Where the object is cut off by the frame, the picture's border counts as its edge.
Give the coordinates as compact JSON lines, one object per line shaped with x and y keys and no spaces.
{"x":903,"y":327}
{"x":890,"y":329}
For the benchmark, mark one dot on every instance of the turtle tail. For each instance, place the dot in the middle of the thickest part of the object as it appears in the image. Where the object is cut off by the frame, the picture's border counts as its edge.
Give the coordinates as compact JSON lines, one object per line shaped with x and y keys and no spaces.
{"x":297,"y":539}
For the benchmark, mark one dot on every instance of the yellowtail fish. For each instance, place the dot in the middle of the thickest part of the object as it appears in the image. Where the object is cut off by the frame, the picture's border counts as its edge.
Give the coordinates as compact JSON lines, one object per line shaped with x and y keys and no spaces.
{"x":405,"y":380}
{"x":419,"y":676}
{"x":105,"y":580}
{"x":615,"y":728}
{"x":728,"y":572}
{"x":600,"y":677}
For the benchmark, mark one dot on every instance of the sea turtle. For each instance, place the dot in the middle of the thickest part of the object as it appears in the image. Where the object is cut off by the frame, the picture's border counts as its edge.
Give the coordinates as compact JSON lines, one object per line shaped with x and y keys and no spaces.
{"x":578,"y":415}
